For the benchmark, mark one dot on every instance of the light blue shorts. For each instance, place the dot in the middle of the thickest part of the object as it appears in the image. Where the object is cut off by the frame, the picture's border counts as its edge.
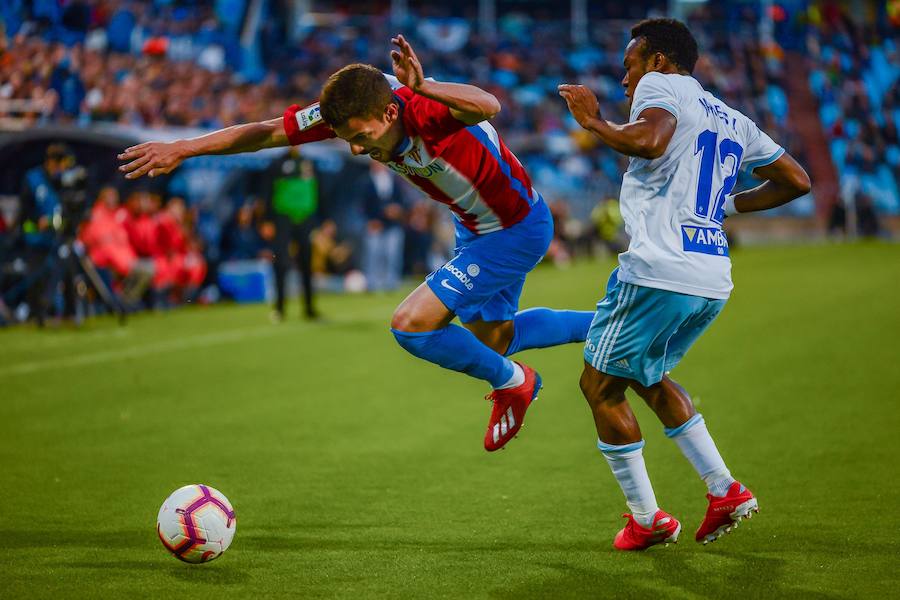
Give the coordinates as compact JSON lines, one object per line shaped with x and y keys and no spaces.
{"x":484,"y":279}
{"x":641,"y":333}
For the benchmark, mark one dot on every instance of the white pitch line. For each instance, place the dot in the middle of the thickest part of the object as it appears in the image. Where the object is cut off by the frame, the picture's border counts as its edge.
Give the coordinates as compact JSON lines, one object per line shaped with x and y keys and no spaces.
{"x":197,"y":341}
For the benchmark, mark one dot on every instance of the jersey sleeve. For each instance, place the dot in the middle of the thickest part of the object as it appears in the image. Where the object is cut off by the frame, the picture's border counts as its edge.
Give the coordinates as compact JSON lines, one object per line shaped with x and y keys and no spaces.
{"x":759,"y":149}
{"x":654,"y":90}
{"x":431,"y":119}
{"x":304,"y":125}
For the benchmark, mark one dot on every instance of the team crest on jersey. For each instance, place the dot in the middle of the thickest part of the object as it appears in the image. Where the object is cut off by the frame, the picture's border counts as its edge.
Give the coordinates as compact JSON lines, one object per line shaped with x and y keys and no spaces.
{"x":414,"y":153}
{"x":706,"y":240}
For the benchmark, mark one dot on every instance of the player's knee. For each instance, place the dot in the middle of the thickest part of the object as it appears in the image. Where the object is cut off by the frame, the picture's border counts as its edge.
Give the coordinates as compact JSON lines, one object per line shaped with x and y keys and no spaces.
{"x":405,"y":319}
{"x":401,"y":319}
{"x":599,"y":387}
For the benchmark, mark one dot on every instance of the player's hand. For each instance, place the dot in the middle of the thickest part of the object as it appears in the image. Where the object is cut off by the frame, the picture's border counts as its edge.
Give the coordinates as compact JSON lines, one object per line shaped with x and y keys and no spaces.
{"x":582,"y":103}
{"x":407,"y":67}
{"x":151,"y":158}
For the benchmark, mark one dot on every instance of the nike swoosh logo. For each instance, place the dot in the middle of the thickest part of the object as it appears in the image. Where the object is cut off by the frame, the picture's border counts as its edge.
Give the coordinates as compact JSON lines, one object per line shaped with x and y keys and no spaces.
{"x":450,"y":287}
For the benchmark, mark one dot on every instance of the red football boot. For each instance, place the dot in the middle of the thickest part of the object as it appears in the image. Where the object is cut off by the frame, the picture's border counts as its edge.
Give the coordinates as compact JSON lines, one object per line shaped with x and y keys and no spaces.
{"x":725,"y":512}
{"x":635,"y":536}
{"x":509,"y":409}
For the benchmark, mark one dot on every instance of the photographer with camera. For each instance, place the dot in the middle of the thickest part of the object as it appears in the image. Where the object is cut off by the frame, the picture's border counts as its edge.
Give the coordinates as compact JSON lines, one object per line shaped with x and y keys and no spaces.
{"x":54,"y":202}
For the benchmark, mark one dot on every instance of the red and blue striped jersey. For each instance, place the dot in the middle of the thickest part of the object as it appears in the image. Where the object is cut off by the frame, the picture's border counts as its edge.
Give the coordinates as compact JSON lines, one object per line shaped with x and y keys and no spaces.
{"x":468,"y":168}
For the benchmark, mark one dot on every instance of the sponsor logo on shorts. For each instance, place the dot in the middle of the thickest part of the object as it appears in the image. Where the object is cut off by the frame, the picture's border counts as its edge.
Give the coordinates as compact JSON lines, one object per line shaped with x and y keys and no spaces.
{"x":449,"y":287}
{"x":473,"y":270}
{"x":705,"y":240}
{"x":463,"y":278}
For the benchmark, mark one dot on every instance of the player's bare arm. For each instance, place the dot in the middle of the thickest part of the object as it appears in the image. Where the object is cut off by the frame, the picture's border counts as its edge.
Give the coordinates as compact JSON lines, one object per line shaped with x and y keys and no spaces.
{"x":159,"y":158}
{"x":467,"y":103}
{"x":785,"y":181}
{"x":646,"y":137}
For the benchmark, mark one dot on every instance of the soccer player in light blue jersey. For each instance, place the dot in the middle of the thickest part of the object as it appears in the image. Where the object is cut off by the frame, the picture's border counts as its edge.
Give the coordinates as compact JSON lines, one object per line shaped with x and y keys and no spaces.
{"x":686,"y":148}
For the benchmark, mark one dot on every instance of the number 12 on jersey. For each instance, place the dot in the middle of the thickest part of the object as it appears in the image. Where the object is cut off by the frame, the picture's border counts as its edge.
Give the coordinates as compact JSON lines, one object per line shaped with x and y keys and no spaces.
{"x":706,"y":148}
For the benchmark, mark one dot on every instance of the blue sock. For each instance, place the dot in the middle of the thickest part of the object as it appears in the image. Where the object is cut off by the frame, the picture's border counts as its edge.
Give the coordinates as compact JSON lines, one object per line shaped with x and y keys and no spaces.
{"x":543,"y":327}
{"x":457,"y":349}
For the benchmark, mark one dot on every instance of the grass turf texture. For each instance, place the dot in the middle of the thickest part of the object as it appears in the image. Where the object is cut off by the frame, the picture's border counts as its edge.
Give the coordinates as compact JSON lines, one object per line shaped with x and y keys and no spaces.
{"x":357,"y":471}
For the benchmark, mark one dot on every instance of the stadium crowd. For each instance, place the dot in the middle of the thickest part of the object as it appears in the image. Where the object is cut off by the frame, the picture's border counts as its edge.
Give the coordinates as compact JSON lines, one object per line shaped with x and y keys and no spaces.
{"x":179,"y":63}
{"x":132,"y":63}
{"x":856,"y":79}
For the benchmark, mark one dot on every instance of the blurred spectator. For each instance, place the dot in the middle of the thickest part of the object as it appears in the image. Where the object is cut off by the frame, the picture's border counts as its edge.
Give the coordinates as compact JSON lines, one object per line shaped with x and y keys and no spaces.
{"x":560,"y":250}
{"x":867,"y":222}
{"x":144,"y":236}
{"x":106,"y":240}
{"x":609,"y":225}
{"x":181,"y":249}
{"x":383,"y":245}
{"x":243,"y":240}
{"x":419,"y":238}
{"x":329,"y":255}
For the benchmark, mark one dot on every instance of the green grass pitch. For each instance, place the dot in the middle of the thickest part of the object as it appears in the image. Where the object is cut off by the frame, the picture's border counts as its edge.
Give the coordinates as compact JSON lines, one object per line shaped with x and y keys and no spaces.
{"x":357,"y":471}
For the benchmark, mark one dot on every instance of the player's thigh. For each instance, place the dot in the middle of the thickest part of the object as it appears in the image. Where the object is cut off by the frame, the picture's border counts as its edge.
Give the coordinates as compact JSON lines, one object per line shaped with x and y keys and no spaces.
{"x":421,"y":311}
{"x":484,"y":280}
{"x":706,"y":312}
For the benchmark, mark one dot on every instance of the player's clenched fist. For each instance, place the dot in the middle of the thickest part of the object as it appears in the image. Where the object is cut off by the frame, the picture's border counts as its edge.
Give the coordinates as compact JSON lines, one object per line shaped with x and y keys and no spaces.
{"x":151,"y":158}
{"x":582,"y":103}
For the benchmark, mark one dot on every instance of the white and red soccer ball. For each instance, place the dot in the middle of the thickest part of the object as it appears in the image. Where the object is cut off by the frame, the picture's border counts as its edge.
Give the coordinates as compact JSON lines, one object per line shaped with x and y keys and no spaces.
{"x":196,"y":523}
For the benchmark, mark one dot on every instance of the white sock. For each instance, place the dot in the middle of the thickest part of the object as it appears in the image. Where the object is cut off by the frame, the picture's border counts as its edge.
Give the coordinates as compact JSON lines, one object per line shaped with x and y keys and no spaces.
{"x":627,"y":464}
{"x":517,"y":379}
{"x":698,"y":447}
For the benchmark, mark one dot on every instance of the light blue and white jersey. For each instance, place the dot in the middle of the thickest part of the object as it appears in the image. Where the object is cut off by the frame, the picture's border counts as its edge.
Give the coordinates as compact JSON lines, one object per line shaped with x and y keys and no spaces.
{"x":673,"y":206}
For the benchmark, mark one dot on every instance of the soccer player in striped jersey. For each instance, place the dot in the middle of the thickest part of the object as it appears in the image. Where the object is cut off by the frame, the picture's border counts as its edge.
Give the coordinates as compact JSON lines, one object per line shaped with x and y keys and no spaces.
{"x":437,"y":136}
{"x":686,"y":147}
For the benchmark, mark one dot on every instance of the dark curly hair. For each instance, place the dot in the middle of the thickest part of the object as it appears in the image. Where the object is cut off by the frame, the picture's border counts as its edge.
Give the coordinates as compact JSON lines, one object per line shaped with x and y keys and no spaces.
{"x":357,"y":90}
{"x":670,"y":37}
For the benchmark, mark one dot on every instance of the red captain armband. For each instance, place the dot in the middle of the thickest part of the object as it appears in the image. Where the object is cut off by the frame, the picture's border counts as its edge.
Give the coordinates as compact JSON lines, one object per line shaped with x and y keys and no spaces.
{"x":305,"y":125}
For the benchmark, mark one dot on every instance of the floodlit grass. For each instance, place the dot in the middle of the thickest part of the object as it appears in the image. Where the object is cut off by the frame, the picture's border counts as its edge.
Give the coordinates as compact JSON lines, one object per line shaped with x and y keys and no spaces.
{"x":357,"y":470}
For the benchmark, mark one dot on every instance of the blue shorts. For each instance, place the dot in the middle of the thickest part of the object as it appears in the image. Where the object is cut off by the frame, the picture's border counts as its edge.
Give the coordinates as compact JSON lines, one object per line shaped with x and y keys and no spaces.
{"x":484,"y":279}
{"x":641,"y":333}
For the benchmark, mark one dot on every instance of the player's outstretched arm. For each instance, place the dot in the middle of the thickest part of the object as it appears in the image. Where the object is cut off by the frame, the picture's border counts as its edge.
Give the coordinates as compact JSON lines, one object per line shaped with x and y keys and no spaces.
{"x":785,"y":181}
{"x":159,"y":158}
{"x":467,"y":103}
{"x":646,"y":137}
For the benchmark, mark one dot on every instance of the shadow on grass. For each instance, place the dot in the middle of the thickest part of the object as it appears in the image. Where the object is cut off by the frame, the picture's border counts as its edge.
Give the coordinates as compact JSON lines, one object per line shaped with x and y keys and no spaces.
{"x":675,"y":574}
{"x":214,"y":573}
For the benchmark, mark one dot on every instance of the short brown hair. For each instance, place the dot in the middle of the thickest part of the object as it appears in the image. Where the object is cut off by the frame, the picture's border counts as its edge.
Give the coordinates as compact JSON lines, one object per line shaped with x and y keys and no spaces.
{"x":357,"y":90}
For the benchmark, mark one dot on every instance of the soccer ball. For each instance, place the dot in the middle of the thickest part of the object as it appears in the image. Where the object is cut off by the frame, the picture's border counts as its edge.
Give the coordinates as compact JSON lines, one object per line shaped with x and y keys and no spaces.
{"x":196,"y":523}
